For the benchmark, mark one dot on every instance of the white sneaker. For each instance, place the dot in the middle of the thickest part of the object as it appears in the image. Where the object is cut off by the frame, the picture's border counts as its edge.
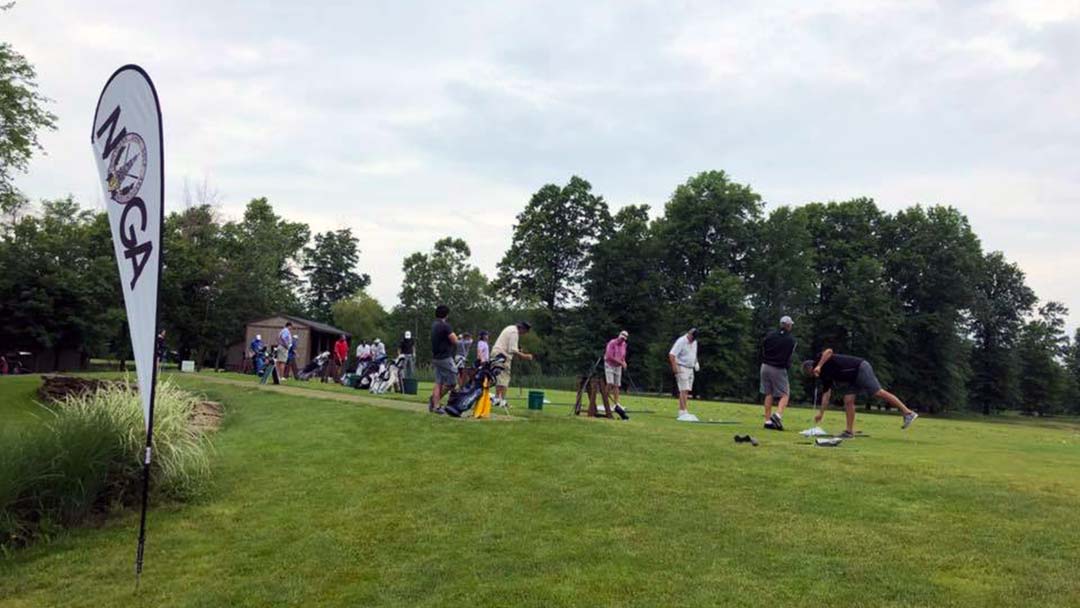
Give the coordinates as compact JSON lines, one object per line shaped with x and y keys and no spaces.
{"x":686,"y":417}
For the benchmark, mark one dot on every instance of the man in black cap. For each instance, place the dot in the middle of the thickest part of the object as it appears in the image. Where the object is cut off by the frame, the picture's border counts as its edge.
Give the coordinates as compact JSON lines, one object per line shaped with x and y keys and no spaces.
{"x":855,"y":376}
{"x":776,"y":351}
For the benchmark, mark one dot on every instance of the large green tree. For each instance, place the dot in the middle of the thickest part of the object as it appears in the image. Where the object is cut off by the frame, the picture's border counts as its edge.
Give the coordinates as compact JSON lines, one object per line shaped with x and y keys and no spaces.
{"x":623,"y":288}
{"x":1072,"y":370}
{"x":719,"y":311}
{"x":549,"y":255}
{"x":1001,"y":303}
{"x":443,"y":275}
{"x":853,"y":312}
{"x":1043,"y":343}
{"x":932,"y":258}
{"x":60,"y":287}
{"x":191,"y":282}
{"x":363,"y":317}
{"x":23,"y":114}
{"x":330,"y":266}
{"x":708,"y":223}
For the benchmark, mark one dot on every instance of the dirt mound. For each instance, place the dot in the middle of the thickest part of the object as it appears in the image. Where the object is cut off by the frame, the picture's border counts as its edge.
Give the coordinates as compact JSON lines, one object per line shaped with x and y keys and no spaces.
{"x":207,"y":416}
{"x":55,"y":389}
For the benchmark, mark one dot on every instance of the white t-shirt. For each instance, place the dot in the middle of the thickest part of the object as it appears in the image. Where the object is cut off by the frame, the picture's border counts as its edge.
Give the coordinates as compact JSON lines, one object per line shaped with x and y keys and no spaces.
{"x":685,"y":352}
{"x":507,"y":343}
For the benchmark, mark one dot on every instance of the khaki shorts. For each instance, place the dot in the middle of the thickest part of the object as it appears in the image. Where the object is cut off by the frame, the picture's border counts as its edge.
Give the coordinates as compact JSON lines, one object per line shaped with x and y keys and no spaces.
{"x":504,"y":377}
{"x":281,"y":355}
{"x":685,"y":379}
{"x":613,"y":375}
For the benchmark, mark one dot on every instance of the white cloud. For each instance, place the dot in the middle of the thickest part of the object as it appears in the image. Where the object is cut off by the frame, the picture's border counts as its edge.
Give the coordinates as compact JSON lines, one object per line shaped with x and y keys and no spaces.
{"x":412,"y":121}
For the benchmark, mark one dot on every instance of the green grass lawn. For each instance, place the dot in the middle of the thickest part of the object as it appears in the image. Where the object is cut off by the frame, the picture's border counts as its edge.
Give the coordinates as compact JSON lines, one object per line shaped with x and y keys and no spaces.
{"x":321,"y":502}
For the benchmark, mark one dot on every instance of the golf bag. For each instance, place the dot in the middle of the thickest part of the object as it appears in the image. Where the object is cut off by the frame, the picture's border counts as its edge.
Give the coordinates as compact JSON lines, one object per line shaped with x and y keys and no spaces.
{"x":463,"y":399}
{"x":315,"y":367}
{"x":369,"y":371}
{"x":389,"y":379}
{"x":259,"y":360}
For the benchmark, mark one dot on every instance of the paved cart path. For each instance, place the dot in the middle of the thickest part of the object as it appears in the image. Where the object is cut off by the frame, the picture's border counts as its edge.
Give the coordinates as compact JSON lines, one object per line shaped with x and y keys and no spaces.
{"x":362,"y":398}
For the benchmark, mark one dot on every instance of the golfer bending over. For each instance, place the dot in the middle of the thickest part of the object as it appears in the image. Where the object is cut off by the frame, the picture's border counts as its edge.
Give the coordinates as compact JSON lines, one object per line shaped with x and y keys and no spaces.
{"x":443,"y":344}
{"x":683,"y":360}
{"x":776,"y":352}
{"x":857,"y":377}
{"x":507,"y":345}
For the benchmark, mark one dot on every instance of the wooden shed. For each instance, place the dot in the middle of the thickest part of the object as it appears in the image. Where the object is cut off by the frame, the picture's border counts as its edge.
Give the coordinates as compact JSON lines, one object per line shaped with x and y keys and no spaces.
{"x":313,"y":338}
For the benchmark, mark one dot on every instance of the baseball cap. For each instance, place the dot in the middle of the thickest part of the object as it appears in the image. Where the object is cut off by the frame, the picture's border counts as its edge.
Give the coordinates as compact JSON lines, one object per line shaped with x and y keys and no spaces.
{"x":623,"y":334}
{"x":786,"y":320}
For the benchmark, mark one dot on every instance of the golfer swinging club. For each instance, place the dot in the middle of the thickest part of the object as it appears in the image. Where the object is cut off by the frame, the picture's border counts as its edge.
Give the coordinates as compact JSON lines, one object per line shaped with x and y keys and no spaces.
{"x":683,"y":360}
{"x":858,"y":377}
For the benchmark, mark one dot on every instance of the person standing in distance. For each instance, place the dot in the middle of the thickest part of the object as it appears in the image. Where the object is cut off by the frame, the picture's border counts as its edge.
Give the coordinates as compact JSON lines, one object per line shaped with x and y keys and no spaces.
{"x":684,"y":362}
{"x":407,"y":348}
{"x":443,"y":346}
{"x":483,"y":350}
{"x":776,"y":351}
{"x":284,"y":343}
{"x":507,"y":346}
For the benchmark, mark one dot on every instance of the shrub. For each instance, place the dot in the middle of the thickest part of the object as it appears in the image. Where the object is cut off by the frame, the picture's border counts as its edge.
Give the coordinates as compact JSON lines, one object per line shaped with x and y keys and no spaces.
{"x":86,"y":459}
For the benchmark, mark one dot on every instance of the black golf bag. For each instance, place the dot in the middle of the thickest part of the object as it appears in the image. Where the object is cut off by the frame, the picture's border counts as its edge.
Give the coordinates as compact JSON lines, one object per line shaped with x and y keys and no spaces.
{"x":315,"y":367}
{"x":463,"y":399}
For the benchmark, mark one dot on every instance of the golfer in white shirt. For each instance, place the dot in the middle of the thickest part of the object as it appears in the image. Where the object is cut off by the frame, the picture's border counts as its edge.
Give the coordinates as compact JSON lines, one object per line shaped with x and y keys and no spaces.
{"x":683,"y":359}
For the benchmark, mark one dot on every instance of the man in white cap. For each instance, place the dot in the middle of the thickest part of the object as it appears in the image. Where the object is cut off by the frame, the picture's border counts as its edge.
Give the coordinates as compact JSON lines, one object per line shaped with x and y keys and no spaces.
{"x":683,"y":360}
{"x":407,"y":349}
{"x":614,"y":364}
{"x":776,"y":351}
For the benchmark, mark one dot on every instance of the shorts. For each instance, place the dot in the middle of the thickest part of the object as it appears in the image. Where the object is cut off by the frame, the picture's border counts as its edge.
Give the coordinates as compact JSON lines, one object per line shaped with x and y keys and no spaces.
{"x":866,"y":382}
{"x":685,"y":379}
{"x":613,"y":374}
{"x":445,"y":371}
{"x":774,"y":381}
{"x":281,"y":354}
{"x":504,"y":376}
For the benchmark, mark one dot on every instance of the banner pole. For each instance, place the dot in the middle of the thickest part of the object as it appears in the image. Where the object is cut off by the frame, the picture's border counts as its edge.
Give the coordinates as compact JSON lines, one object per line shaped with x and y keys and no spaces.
{"x":145,"y":486}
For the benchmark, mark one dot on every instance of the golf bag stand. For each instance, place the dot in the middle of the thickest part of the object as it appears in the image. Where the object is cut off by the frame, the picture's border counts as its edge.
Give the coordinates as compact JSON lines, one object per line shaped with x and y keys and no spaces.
{"x":592,"y":385}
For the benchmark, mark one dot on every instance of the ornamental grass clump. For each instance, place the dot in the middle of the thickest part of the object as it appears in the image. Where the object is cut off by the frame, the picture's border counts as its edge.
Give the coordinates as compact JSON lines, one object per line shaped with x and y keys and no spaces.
{"x":85,"y":460}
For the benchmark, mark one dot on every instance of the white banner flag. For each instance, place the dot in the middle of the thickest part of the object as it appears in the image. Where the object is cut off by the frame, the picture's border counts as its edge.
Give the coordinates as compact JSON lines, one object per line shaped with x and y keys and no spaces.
{"x":130,"y":160}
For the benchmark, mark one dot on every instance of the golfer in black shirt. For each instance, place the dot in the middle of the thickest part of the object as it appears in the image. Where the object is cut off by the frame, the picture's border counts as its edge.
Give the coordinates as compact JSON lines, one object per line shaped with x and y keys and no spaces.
{"x":776,"y":352}
{"x":855,"y":376}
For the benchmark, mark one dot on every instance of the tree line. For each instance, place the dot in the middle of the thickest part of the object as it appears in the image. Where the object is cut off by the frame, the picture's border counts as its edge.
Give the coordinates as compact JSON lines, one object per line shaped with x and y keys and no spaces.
{"x":946,"y":324}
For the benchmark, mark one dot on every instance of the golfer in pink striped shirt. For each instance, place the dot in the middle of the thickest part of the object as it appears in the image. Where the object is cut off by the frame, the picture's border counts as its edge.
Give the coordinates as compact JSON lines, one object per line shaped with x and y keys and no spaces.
{"x":614,"y":363}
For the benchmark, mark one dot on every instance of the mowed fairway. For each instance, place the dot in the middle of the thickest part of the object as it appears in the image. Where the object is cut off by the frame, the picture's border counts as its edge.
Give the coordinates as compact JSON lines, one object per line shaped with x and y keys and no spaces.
{"x":318,"y":502}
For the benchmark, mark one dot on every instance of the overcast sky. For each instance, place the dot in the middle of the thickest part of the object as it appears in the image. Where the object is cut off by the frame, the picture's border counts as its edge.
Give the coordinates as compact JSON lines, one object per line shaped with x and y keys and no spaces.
{"x":409,"y":121}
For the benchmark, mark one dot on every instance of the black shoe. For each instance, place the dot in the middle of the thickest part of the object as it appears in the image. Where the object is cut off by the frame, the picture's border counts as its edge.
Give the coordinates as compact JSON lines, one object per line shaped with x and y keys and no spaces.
{"x":769,"y":425}
{"x":776,"y":422}
{"x":846,"y":435}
